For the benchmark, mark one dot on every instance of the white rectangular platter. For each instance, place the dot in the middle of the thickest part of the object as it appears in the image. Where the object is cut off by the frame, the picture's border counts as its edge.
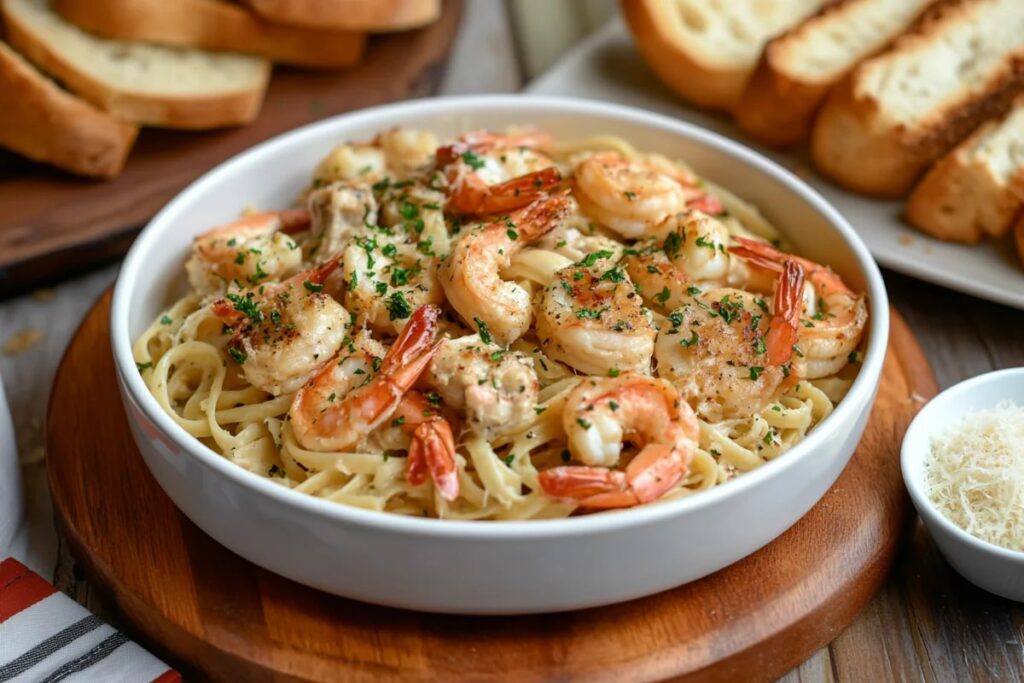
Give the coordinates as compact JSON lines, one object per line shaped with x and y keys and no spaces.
{"x":607,"y":67}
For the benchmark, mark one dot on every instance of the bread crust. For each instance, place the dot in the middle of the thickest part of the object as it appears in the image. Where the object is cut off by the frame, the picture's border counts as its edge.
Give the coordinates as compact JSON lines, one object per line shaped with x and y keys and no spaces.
{"x":357,"y":15}
{"x":776,"y":108}
{"x":960,"y":200}
{"x":192,"y":112}
{"x":47,"y":124}
{"x":708,"y":86}
{"x":855,"y":143}
{"x":213,"y":25}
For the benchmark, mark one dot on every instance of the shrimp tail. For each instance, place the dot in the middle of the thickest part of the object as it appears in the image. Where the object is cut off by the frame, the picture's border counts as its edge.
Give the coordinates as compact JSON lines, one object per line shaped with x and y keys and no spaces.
{"x":473,"y":196}
{"x":581,"y":482}
{"x":433,"y":450}
{"x":759,"y":253}
{"x":294,"y":220}
{"x":784,"y":329}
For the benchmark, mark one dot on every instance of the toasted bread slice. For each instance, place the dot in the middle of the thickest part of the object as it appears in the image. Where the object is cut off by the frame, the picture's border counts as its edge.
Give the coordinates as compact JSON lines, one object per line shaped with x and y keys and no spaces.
{"x":706,"y":51}
{"x":357,"y":15}
{"x":799,"y":67}
{"x":899,"y":111}
{"x":148,"y":84}
{"x":213,"y":25}
{"x":50,"y":125}
{"x":978,"y":188}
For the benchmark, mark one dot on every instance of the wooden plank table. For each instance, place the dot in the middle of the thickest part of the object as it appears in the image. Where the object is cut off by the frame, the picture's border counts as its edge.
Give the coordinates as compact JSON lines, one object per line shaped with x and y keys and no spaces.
{"x":927,"y":624}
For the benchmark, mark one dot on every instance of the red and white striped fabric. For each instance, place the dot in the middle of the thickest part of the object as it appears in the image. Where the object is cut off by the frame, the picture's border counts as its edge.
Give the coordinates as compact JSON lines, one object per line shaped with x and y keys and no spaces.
{"x":47,"y":636}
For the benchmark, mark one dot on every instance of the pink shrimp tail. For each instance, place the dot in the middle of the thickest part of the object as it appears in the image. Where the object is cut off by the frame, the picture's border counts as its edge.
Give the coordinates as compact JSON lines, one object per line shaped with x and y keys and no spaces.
{"x":472,"y":196}
{"x":433,"y":450}
{"x":784,"y":329}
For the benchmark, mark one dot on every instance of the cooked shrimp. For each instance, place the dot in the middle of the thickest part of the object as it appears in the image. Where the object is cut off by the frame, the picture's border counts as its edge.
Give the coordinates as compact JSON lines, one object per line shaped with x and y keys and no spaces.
{"x":340,"y":211}
{"x":729,"y":354}
{"x":248,"y":251}
{"x":357,"y":391}
{"x":602,"y":413}
{"x":432,"y":447}
{"x":496,"y":388}
{"x":690,"y":250}
{"x":283,"y":332}
{"x":591,"y":318}
{"x":834,"y":317}
{"x":576,"y":237}
{"x":488,"y":173}
{"x":396,"y":154}
{"x":388,"y":277}
{"x":470,"y":275}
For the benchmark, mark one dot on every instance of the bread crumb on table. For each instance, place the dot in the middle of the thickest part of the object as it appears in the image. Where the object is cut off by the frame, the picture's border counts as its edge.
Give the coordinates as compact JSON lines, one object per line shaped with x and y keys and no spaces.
{"x":22,"y":341}
{"x":906,"y":240}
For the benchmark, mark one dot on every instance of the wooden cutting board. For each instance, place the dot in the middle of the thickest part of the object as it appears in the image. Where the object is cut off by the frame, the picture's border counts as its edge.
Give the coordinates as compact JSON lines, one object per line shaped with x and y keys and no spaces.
{"x":54,"y":223}
{"x":211,"y":613}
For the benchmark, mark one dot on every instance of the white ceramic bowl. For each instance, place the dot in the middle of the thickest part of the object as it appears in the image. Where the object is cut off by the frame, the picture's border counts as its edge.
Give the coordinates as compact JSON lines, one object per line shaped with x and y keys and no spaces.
{"x":996,"y":569}
{"x":487,"y":567}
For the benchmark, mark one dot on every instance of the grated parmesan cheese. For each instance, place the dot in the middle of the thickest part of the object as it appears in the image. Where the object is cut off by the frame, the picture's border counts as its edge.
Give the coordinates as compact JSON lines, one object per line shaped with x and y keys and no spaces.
{"x":975,"y":475}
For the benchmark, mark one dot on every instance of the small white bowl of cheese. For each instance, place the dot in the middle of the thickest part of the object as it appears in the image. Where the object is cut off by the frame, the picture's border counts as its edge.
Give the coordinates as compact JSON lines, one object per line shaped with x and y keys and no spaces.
{"x":963,"y":464}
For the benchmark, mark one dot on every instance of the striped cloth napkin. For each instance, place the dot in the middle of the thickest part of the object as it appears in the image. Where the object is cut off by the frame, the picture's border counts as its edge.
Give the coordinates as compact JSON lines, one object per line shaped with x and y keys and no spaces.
{"x":46,"y":636}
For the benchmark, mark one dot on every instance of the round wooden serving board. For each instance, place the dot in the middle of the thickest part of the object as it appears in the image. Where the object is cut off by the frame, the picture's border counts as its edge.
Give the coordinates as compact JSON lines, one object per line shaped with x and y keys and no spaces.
{"x":213,"y":614}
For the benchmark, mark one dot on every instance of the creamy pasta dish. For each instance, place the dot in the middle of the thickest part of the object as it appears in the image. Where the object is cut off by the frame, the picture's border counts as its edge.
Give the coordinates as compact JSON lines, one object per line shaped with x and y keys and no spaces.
{"x":502,"y":326}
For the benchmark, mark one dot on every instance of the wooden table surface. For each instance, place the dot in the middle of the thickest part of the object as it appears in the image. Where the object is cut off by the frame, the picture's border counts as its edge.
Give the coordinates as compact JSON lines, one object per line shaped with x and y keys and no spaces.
{"x":927,"y":624}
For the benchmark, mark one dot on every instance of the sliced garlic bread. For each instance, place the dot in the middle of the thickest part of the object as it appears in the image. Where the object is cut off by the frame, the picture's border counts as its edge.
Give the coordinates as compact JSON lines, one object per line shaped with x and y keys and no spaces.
{"x":978,"y":188}
{"x":48,"y":124}
{"x":358,"y":15}
{"x":706,"y":51}
{"x":147,"y":84}
{"x":899,"y":111}
{"x":799,"y":67}
{"x":213,"y":25}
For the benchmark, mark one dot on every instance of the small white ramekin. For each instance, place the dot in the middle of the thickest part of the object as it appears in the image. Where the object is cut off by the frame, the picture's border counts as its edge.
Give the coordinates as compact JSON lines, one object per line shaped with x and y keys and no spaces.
{"x":991,"y":567}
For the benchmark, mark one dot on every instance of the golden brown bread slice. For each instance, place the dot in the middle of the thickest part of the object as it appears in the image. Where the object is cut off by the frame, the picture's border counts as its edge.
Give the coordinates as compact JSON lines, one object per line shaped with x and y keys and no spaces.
{"x":48,"y":124}
{"x":213,"y":25}
{"x":706,"y":51}
{"x":978,"y":188}
{"x":899,"y":111}
{"x":800,"y":66}
{"x":144,"y":83}
{"x":357,"y":15}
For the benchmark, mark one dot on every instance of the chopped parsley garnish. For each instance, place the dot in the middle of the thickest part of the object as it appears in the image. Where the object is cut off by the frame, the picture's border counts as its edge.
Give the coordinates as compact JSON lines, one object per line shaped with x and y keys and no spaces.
{"x":475,"y":162}
{"x":663,"y":295}
{"x":240,"y":258}
{"x":512,"y":234}
{"x":615,"y":274}
{"x":399,"y":277}
{"x":485,"y":333}
{"x":312,"y":286}
{"x":594,"y":257}
{"x":755,"y":371}
{"x":854,"y":357}
{"x":408,"y":210}
{"x":630,"y":195}
{"x":613,"y":405}
{"x":509,"y":459}
{"x":247,"y":306}
{"x":583,"y":423}
{"x":673,"y":243}
{"x":687,"y":343}
{"x":389,"y":250}
{"x":496,"y":355}
{"x":398,"y":307}
{"x":693,"y":291}
{"x":237,"y":354}
{"x":539,"y":409}
{"x":143,"y":366}
{"x":433,"y":399}
{"x":759,"y":346}
{"x":398,"y":421}
{"x":591,"y":313}
{"x":676,"y":318}
{"x":614,"y":372}
{"x":761,"y":304}
{"x":382,"y":288}
{"x":166,"y":320}
{"x":375,"y":363}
